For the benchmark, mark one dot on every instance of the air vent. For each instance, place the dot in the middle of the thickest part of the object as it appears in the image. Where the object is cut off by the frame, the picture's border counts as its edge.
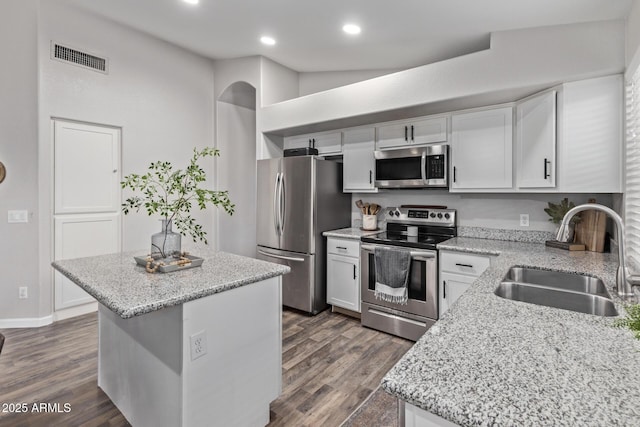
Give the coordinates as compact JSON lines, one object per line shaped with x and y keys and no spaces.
{"x":77,"y":57}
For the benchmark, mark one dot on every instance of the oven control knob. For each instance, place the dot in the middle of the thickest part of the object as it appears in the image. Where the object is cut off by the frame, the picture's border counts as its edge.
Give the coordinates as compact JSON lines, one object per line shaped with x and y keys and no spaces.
{"x":390,"y":213}
{"x":432,"y":215}
{"x":439,"y":216}
{"x":447,"y":216}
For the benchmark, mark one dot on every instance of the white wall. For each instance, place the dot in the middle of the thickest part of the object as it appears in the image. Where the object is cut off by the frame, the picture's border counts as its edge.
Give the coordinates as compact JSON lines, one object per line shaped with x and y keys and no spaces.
{"x":522,"y":59}
{"x":324,"y":80}
{"x":19,"y":153}
{"x":236,"y":172}
{"x":481,"y":210}
{"x":278,"y":83}
{"x":632,"y":39}
{"x":160,"y":95}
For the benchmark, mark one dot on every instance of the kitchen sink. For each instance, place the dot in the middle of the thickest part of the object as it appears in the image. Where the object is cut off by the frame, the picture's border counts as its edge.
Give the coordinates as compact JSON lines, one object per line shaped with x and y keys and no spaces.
{"x":557,"y":280}
{"x":568,"y":291}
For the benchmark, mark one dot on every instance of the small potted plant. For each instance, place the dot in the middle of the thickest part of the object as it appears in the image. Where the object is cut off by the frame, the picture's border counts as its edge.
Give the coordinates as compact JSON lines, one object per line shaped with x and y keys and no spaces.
{"x":172,"y":194}
{"x":557,"y":212}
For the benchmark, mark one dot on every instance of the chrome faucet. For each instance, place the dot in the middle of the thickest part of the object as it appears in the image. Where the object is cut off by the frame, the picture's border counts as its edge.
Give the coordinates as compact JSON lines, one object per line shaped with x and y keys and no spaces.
{"x":623,"y":279}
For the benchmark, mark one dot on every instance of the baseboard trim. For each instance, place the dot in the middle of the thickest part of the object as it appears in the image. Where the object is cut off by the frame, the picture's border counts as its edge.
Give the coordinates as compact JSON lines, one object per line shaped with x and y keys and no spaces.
{"x":68,"y":313}
{"x":27,"y":322}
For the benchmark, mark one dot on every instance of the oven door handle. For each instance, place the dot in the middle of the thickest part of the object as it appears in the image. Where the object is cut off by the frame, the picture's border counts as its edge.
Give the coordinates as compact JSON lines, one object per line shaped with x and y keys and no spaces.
{"x":417,"y":255}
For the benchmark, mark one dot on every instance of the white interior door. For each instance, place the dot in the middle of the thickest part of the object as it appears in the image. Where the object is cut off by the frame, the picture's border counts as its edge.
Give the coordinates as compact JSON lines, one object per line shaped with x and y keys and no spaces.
{"x":86,"y":199}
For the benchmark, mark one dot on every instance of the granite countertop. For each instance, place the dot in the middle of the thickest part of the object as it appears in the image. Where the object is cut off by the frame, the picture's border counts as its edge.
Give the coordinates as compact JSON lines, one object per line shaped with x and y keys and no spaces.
{"x":116,"y":281}
{"x":493,"y":361}
{"x":353,"y":233}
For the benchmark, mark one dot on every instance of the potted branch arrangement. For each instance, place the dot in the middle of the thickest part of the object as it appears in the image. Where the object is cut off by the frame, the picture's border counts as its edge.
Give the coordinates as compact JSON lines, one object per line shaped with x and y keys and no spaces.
{"x":557,"y":212}
{"x":172,"y":194}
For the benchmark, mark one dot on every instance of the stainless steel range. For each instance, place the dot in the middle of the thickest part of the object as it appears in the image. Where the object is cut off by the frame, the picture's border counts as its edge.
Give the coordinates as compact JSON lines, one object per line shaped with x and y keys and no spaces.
{"x":419,"y":229}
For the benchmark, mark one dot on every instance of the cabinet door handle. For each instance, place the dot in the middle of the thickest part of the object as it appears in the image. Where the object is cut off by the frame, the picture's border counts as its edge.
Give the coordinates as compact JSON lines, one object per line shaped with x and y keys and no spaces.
{"x":370,"y":177}
{"x":354,"y":272}
{"x":454,"y":174}
{"x":406,"y":130}
{"x":546,"y":174}
{"x":412,"y":138}
{"x":444,"y":289}
{"x":464,"y":265}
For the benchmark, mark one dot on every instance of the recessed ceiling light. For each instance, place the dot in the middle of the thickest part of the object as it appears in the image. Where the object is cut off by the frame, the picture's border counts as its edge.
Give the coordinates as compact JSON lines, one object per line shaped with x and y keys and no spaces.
{"x":191,"y":1}
{"x":351,"y":29}
{"x":270,"y":41}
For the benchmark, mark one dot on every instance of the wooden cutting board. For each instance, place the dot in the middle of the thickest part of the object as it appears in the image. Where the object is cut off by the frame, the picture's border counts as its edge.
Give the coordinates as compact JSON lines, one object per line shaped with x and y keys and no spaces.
{"x":590,"y":231}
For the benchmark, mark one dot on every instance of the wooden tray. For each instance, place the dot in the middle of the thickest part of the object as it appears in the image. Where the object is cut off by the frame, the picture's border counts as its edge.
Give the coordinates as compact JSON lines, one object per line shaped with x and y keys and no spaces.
{"x":168,"y":267}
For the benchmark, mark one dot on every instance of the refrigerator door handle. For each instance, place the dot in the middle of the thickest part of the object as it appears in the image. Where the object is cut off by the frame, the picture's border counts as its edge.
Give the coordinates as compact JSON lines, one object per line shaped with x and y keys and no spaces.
{"x":282,"y":202}
{"x":287,"y":258}
{"x":276,"y":216}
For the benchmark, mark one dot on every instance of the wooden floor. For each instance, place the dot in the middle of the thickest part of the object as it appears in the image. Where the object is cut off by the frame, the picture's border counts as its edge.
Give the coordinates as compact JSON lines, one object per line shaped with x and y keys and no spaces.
{"x":330,"y":365}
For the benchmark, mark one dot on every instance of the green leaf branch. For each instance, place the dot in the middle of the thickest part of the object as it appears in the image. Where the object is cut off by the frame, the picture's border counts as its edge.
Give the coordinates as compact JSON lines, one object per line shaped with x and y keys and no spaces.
{"x":172,"y":194}
{"x":632,"y":320}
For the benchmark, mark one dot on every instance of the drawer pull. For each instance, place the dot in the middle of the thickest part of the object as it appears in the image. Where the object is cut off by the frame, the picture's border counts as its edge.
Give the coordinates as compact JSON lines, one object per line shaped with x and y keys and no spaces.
{"x":464,"y":265}
{"x":341,"y":247}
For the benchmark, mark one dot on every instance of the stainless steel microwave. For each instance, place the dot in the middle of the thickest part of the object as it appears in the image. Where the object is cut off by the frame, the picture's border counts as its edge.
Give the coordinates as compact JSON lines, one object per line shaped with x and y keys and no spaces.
{"x":415,"y":167}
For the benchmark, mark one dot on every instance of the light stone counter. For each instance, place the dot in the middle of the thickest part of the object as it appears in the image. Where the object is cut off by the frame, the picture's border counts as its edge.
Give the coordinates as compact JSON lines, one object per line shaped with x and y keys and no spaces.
{"x":353,"y":233}
{"x":172,"y":346}
{"x":118,"y":283}
{"x":493,"y":361}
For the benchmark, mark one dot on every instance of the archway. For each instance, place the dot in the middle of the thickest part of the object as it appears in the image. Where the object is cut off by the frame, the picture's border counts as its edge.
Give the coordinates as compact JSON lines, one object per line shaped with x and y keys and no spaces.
{"x":236,"y":167}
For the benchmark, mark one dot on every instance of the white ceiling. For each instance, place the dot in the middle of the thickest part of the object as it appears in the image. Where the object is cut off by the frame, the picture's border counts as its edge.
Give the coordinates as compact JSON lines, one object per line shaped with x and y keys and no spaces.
{"x":395,"y":34}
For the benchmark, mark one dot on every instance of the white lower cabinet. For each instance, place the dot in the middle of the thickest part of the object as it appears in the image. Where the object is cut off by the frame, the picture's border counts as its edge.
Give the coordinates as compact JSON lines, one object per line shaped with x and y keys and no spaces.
{"x":457,"y":272}
{"x":343,"y":273}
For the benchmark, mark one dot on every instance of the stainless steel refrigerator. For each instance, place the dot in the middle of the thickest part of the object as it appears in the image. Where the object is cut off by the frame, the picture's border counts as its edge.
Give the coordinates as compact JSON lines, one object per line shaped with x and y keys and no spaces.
{"x":298,"y":199}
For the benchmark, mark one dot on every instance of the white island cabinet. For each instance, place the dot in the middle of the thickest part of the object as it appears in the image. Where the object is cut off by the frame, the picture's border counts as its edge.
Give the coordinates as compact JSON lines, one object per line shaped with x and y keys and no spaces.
{"x":196,"y":347}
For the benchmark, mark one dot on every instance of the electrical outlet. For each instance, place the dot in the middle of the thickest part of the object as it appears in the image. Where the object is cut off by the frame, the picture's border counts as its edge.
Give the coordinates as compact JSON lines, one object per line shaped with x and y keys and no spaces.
{"x":524,"y":220}
{"x":198,"y":345}
{"x":23,"y":292}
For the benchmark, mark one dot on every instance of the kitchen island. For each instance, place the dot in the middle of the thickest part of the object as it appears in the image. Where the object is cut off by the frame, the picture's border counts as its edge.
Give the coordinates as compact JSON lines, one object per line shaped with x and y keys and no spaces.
{"x":493,"y":361}
{"x":200,"y":346}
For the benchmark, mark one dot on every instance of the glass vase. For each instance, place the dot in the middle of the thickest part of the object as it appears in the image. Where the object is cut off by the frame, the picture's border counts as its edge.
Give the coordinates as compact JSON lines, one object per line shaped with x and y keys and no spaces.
{"x":166,"y":243}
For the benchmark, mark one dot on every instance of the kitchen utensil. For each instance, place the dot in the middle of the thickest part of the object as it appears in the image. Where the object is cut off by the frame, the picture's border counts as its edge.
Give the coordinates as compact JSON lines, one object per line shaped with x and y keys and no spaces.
{"x":366,"y":208}
{"x":360,"y":205}
{"x":369,"y":222}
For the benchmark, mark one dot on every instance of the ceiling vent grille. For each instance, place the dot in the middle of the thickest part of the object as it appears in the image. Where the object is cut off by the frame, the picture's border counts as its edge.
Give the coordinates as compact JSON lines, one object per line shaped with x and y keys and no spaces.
{"x":76,"y":57}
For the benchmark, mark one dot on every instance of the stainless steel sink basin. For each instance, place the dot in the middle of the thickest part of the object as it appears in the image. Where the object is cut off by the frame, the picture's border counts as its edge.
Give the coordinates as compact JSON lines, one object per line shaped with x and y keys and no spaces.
{"x":558,"y":280}
{"x":568,"y":291}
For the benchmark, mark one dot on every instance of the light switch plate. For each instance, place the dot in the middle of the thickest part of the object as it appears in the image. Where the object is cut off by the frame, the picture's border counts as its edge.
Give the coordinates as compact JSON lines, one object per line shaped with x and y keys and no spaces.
{"x":14,"y":217}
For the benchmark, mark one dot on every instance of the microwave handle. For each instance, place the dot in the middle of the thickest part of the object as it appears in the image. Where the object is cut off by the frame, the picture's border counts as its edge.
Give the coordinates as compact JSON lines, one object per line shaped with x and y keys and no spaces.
{"x":423,"y":167}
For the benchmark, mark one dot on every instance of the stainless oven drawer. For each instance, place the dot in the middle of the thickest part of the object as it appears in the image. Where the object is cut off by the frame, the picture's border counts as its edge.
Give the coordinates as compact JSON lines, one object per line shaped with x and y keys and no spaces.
{"x":395,"y":322}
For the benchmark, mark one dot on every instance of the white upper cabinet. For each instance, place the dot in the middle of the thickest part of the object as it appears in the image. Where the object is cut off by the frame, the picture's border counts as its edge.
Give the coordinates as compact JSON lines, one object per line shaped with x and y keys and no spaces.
{"x":327,"y":143}
{"x":590,"y":135}
{"x":481,"y":150}
{"x":536,"y":141}
{"x":359,"y":163}
{"x":424,"y":131}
